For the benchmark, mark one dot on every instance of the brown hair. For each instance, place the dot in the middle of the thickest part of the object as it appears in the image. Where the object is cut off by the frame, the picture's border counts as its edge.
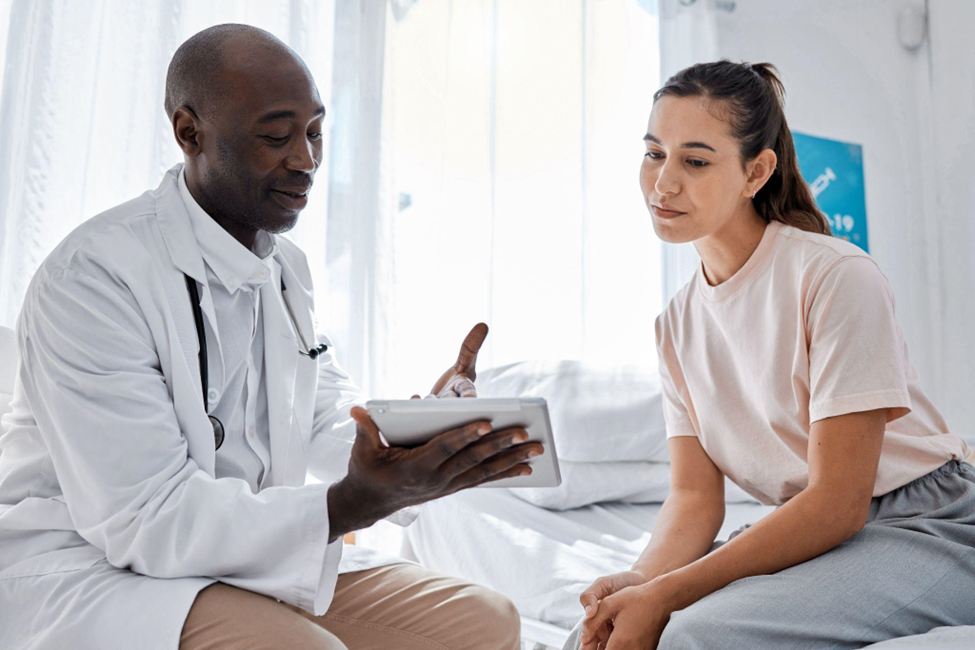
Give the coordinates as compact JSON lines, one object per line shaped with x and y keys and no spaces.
{"x":752,"y":97}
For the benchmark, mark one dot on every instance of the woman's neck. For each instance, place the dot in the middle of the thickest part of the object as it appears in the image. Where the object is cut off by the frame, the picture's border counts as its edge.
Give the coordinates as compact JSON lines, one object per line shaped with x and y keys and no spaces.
{"x":726,"y":251}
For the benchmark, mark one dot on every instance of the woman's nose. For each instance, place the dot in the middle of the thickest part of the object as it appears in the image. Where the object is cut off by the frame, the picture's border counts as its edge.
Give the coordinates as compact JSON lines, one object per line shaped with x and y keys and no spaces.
{"x":667,"y":181}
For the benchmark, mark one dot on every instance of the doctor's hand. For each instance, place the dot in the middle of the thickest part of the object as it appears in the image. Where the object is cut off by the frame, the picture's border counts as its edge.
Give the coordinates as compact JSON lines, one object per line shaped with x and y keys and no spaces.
{"x":458,"y":380}
{"x":383,"y":479}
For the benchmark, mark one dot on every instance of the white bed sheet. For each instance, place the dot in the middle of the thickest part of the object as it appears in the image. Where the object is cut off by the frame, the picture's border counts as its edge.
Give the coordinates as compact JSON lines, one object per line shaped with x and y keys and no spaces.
{"x":540,"y":559}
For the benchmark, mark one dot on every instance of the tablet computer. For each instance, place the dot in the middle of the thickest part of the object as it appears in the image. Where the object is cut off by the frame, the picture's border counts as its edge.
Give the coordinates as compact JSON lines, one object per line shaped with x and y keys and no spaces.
{"x":412,"y":422}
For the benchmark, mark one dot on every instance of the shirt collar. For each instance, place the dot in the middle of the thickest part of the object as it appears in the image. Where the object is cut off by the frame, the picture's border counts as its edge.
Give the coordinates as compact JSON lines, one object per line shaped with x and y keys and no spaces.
{"x":234,"y":265}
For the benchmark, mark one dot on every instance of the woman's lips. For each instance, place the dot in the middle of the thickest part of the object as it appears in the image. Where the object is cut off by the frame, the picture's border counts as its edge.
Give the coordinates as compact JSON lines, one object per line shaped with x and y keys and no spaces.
{"x":666,"y":214}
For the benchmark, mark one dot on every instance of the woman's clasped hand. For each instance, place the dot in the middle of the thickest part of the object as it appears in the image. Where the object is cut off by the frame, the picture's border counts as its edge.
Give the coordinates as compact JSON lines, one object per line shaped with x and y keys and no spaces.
{"x":624,"y":611}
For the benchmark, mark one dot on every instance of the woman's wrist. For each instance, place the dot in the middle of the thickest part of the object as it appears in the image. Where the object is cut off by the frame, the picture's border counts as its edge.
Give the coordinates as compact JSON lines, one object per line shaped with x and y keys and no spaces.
{"x":646,"y":574}
{"x":671,"y":591}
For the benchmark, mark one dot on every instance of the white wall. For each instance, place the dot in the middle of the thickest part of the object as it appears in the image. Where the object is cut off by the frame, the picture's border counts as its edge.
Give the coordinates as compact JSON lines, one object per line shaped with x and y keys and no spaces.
{"x":951,"y":143}
{"x":848,"y":78}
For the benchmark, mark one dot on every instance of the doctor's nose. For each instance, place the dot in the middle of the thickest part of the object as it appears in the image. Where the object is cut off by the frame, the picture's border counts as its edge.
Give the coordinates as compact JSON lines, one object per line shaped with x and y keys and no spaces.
{"x":304,"y":157}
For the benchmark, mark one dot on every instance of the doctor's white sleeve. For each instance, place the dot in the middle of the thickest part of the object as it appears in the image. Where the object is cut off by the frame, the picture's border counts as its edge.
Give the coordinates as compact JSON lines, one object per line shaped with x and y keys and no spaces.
{"x":98,"y":391}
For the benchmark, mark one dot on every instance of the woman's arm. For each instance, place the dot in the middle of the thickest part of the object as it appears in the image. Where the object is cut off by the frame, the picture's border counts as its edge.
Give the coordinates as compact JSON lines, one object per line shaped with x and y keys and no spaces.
{"x":843,"y":456}
{"x":844,"y":453}
{"x":692,"y":514}
{"x":688,"y":523}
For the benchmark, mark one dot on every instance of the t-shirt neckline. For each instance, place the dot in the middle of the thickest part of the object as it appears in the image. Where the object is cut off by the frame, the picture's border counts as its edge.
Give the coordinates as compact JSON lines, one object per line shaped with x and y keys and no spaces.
{"x":735,"y":283}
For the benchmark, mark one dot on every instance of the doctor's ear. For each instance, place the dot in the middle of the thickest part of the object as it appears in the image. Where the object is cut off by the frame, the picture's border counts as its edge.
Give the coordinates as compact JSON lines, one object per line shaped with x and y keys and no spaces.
{"x":186,"y":128}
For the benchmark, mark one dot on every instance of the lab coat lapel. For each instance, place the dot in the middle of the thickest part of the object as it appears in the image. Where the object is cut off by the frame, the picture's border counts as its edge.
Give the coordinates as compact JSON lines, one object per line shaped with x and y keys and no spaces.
{"x":177,"y":231}
{"x":280,"y":362}
{"x":181,"y":244}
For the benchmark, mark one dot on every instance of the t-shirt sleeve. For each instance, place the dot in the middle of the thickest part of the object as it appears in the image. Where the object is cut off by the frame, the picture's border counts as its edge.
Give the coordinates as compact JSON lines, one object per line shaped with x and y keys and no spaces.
{"x":857,"y":352}
{"x":676,"y":413}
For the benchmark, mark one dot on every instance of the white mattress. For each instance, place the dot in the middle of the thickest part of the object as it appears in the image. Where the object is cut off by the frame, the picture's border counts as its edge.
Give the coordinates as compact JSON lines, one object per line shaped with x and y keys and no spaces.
{"x":540,"y":559}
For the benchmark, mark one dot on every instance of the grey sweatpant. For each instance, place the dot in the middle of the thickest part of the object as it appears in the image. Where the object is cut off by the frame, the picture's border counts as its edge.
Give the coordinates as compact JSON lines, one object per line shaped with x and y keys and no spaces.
{"x":909,"y":570}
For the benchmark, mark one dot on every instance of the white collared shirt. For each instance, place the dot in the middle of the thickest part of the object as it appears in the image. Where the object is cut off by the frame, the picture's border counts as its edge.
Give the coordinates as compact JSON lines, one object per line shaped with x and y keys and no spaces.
{"x":237,"y":392}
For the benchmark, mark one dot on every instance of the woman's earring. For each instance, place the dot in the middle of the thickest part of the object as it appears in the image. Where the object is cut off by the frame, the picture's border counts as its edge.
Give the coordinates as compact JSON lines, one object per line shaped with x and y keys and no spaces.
{"x":754,"y":193}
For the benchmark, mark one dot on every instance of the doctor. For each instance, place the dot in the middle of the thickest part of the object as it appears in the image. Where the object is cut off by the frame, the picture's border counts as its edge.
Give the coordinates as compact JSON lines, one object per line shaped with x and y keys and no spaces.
{"x":122,"y":525}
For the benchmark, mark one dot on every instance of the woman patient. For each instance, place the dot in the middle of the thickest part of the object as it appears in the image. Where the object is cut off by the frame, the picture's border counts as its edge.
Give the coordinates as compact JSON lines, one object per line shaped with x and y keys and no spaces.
{"x":784,"y":368}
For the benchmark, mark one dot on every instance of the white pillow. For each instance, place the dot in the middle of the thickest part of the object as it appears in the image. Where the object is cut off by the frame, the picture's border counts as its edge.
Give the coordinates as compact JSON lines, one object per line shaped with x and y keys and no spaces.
{"x":599,"y":413}
{"x":586,"y":483}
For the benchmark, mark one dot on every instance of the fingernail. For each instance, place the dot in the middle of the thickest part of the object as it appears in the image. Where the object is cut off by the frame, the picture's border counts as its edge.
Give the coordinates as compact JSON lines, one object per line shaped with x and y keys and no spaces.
{"x":483,"y":430}
{"x":588,"y":609}
{"x":534,"y":453}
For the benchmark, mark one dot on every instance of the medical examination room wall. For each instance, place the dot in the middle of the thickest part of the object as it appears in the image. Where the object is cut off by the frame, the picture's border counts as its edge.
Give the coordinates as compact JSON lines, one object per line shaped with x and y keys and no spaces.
{"x":849,"y":78}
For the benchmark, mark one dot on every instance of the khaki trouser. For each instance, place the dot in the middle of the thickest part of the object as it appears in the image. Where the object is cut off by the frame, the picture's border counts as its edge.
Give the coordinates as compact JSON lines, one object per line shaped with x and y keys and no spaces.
{"x":397,"y":607}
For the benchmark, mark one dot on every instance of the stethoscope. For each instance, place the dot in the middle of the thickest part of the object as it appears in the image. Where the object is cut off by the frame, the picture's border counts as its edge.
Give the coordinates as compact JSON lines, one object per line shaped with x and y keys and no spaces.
{"x":305,"y":349}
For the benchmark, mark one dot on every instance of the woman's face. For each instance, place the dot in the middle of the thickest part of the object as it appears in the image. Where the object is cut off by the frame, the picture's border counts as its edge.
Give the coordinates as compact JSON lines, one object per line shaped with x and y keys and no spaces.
{"x":691,"y":176}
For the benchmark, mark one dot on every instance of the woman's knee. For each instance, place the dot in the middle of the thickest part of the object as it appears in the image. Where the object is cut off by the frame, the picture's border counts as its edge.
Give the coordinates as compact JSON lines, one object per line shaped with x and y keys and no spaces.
{"x":693,"y":629}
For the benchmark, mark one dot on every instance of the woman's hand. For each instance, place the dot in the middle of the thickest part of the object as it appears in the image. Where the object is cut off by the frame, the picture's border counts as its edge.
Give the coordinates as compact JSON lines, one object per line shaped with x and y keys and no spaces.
{"x":605,"y":587}
{"x":631,"y":619}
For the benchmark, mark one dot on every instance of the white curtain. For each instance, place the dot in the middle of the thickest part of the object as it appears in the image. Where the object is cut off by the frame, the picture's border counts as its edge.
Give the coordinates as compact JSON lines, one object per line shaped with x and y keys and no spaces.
{"x":352,"y":299}
{"x":82,"y":125}
{"x":688,"y":35}
{"x":511,"y":140}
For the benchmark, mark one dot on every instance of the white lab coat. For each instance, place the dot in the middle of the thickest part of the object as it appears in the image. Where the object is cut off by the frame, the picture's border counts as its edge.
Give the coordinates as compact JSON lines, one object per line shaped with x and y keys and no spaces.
{"x":112,"y":510}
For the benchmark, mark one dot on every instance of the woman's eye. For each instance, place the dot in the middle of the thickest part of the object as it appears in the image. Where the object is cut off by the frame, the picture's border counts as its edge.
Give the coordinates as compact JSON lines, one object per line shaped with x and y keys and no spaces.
{"x":698,"y":163}
{"x":653,"y":155}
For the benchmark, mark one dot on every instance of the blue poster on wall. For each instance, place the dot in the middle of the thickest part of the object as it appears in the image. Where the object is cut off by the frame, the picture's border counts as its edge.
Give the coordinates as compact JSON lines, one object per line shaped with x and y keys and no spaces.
{"x":834,"y":171}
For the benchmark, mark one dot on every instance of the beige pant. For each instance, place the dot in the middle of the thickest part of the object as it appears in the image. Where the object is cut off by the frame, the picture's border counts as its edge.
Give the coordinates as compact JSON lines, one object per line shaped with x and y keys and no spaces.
{"x":397,"y":607}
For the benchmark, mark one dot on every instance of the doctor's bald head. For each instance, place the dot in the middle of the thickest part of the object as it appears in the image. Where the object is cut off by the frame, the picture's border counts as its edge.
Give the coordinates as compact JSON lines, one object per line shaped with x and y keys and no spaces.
{"x":194,"y":73}
{"x":248,"y":117}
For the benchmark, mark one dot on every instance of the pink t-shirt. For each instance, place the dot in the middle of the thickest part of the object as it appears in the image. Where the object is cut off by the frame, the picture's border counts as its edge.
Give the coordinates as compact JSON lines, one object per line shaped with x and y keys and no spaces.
{"x":805,"y":330}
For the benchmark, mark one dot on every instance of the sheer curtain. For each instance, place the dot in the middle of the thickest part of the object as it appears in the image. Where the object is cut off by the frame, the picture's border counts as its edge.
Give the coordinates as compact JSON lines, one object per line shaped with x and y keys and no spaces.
{"x":82,"y":126}
{"x":511,"y":140}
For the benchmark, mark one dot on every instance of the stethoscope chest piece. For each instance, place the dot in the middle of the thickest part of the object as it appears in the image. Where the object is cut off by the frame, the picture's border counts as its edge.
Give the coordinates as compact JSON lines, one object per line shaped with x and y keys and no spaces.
{"x":217,"y":432}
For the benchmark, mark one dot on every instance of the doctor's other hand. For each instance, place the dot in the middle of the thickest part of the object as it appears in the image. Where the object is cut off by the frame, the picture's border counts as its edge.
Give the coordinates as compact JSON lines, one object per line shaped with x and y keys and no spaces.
{"x":458,"y":380}
{"x":383,"y":479}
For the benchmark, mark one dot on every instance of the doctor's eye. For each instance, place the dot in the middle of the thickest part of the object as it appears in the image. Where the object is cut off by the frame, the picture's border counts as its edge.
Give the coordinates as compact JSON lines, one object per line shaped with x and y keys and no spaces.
{"x":270,"y":138}
{"x":315,"y":136}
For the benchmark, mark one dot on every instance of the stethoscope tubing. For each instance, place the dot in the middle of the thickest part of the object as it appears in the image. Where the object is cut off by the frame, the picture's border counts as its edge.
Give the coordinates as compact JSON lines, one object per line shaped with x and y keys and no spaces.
{"x":311,"y":353}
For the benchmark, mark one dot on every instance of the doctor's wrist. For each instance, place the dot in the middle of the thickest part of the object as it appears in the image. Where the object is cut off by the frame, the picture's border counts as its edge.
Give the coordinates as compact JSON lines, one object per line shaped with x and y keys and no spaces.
{"x":349,"y":510}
